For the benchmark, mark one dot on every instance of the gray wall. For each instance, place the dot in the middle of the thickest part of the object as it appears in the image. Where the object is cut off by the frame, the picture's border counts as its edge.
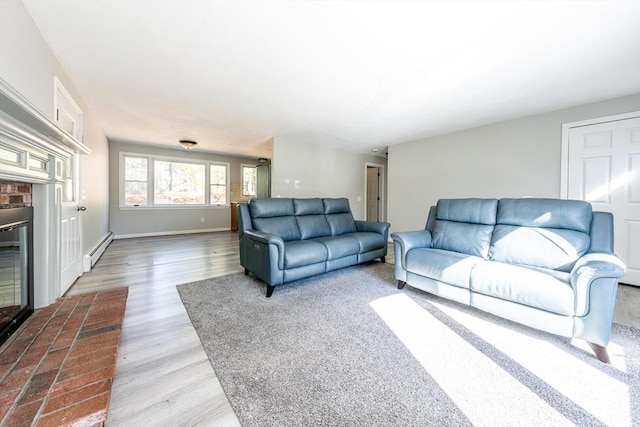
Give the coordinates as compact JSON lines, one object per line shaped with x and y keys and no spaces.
{"x":516,"y":158}
{"x":27,"y":64}
{"x":322,"y":172}
{"x":129,"y":222}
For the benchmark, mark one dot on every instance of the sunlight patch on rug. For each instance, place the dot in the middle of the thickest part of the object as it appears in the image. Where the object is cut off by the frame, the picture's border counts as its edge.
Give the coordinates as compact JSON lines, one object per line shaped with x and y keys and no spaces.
{"x":471,"y":379}
{"x":598,"y":393}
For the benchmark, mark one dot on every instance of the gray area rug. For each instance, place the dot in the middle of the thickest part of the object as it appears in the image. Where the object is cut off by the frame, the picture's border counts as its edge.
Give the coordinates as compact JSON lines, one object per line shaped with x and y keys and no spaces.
{"x":348,"y":349}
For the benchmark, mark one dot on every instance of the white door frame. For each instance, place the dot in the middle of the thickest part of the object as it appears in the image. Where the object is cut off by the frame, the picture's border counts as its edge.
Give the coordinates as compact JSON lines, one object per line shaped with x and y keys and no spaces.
{"x":381,"y":216}
{"x":564,"y":156}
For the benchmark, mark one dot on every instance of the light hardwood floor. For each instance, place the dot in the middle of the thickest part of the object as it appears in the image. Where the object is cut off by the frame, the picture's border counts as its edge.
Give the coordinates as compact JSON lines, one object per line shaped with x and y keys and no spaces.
{"x":163,"y":376}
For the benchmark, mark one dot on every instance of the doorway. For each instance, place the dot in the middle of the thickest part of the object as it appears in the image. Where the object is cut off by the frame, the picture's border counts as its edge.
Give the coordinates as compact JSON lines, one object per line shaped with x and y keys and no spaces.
{"x":374,"y":191}
{"x":601,"y":164}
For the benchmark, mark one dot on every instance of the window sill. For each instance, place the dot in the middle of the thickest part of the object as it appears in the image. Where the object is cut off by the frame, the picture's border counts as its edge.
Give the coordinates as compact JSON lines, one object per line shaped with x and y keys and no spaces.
{"x":171,"y":207}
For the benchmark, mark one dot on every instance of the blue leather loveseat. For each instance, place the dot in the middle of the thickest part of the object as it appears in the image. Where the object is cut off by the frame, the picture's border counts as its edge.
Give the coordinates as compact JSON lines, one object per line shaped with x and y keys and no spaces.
{"x":282,"y":240}
{"x":545,"y":263}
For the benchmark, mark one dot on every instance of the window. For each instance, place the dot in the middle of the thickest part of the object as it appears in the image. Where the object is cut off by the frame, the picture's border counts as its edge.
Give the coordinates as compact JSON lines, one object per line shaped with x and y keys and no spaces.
{"x":135,"y":181}
{"x":218,"y":174}
{"x":178,"y":183}
{"x":249,"y":180}
{"x":155,"y":181}
{"x":69,"y":175}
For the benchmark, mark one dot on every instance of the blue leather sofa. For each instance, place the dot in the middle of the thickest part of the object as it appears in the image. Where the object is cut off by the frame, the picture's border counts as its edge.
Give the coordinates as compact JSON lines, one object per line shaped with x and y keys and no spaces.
{"x":545,"y":263}
{"x":282,"y":240}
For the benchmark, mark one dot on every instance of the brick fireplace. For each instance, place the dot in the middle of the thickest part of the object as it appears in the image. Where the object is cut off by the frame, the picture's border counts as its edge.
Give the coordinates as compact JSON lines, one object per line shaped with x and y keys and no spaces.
{"x":14,"y":194}
{"x":33,"y":155}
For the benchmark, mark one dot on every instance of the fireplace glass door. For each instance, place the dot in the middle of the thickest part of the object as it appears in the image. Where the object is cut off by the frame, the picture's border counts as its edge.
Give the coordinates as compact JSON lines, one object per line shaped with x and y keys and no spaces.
{"x":16,"y":301}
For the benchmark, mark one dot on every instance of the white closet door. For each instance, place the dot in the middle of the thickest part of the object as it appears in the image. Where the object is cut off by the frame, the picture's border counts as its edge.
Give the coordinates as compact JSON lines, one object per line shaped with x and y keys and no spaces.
{"x":604,"y":169}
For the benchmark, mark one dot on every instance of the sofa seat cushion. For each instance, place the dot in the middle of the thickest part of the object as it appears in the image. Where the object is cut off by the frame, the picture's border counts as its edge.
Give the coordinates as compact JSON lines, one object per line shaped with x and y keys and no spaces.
{"x":545,"y":289}
{"x":449,"y":267}
{"x":339,"y":246}
{"x":299,"y":253}
{"x":367,"y":241}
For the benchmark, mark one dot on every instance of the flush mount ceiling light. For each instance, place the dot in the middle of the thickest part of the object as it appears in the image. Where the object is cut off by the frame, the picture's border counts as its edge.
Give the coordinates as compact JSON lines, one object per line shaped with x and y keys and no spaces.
{"x":187,"y":143}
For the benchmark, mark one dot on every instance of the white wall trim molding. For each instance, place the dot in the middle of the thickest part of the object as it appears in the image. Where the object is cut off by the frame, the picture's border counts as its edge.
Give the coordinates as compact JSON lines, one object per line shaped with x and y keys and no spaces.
{"x":169,"y":233}
{"x":564,"y":156}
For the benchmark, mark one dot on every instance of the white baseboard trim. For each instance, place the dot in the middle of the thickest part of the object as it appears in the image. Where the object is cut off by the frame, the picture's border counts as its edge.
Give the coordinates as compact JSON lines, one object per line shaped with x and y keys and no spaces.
{"x":89,"y":260}
{"x":170,"y":233}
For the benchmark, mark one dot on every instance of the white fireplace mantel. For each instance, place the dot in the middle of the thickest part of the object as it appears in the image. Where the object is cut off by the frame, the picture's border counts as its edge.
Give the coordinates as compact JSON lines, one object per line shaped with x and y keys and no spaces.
{"x":33,"y":150}
{"x":32,"y":146}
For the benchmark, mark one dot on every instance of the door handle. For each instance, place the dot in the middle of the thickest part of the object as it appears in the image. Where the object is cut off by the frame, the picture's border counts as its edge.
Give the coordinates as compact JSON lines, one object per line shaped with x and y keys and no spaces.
{"x":82,"y":208}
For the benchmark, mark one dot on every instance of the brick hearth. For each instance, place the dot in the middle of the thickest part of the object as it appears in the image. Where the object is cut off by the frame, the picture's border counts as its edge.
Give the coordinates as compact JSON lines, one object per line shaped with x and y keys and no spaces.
{"x":57,"y":369}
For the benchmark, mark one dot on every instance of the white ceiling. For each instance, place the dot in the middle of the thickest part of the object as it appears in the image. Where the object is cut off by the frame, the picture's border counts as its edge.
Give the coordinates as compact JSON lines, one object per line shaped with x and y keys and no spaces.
{"x":354,"y":74}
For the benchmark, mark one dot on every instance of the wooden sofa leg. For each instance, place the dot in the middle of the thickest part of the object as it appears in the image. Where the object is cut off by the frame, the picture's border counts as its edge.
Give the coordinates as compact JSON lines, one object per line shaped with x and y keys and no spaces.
{"x":600,"y":352}
{"x":246,"y":272}
{"x":401,"y":284}
{"x":270,"y":289}
{"x":382,"y":260}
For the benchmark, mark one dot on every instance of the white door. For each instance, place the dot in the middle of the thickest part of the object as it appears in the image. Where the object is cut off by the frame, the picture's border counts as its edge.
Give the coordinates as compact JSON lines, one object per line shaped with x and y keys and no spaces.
{"x":373,"y":193}
{"x":604,"y":169}
{"x":70,"y":241}
{"x":68,"y":116}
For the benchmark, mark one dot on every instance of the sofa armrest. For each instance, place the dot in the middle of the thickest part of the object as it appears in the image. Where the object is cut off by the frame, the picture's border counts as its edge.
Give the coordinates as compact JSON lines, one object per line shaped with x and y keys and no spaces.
{"x":407,"y":240}
{"x":244,"y":219}
{"x":374,"y":227}
{"x":587,"y":270}
{"x":268,"y":239}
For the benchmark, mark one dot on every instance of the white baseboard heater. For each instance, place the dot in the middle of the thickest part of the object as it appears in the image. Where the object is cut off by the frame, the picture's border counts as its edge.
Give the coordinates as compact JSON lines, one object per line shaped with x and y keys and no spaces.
{"x":89,"y":260}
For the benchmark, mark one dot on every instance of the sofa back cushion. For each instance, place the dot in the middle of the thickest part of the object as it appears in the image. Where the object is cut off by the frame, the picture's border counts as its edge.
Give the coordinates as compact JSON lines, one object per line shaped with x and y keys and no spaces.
{"x":464,"y":225}
{"x":338,"y":214}
{"x":311,"y":219}
{"x":548,"y":233}
{"x":275,"y":216}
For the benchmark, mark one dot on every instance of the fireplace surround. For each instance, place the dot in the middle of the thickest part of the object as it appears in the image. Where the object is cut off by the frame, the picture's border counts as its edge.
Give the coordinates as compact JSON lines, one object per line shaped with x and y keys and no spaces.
{"x":33,"y":152}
